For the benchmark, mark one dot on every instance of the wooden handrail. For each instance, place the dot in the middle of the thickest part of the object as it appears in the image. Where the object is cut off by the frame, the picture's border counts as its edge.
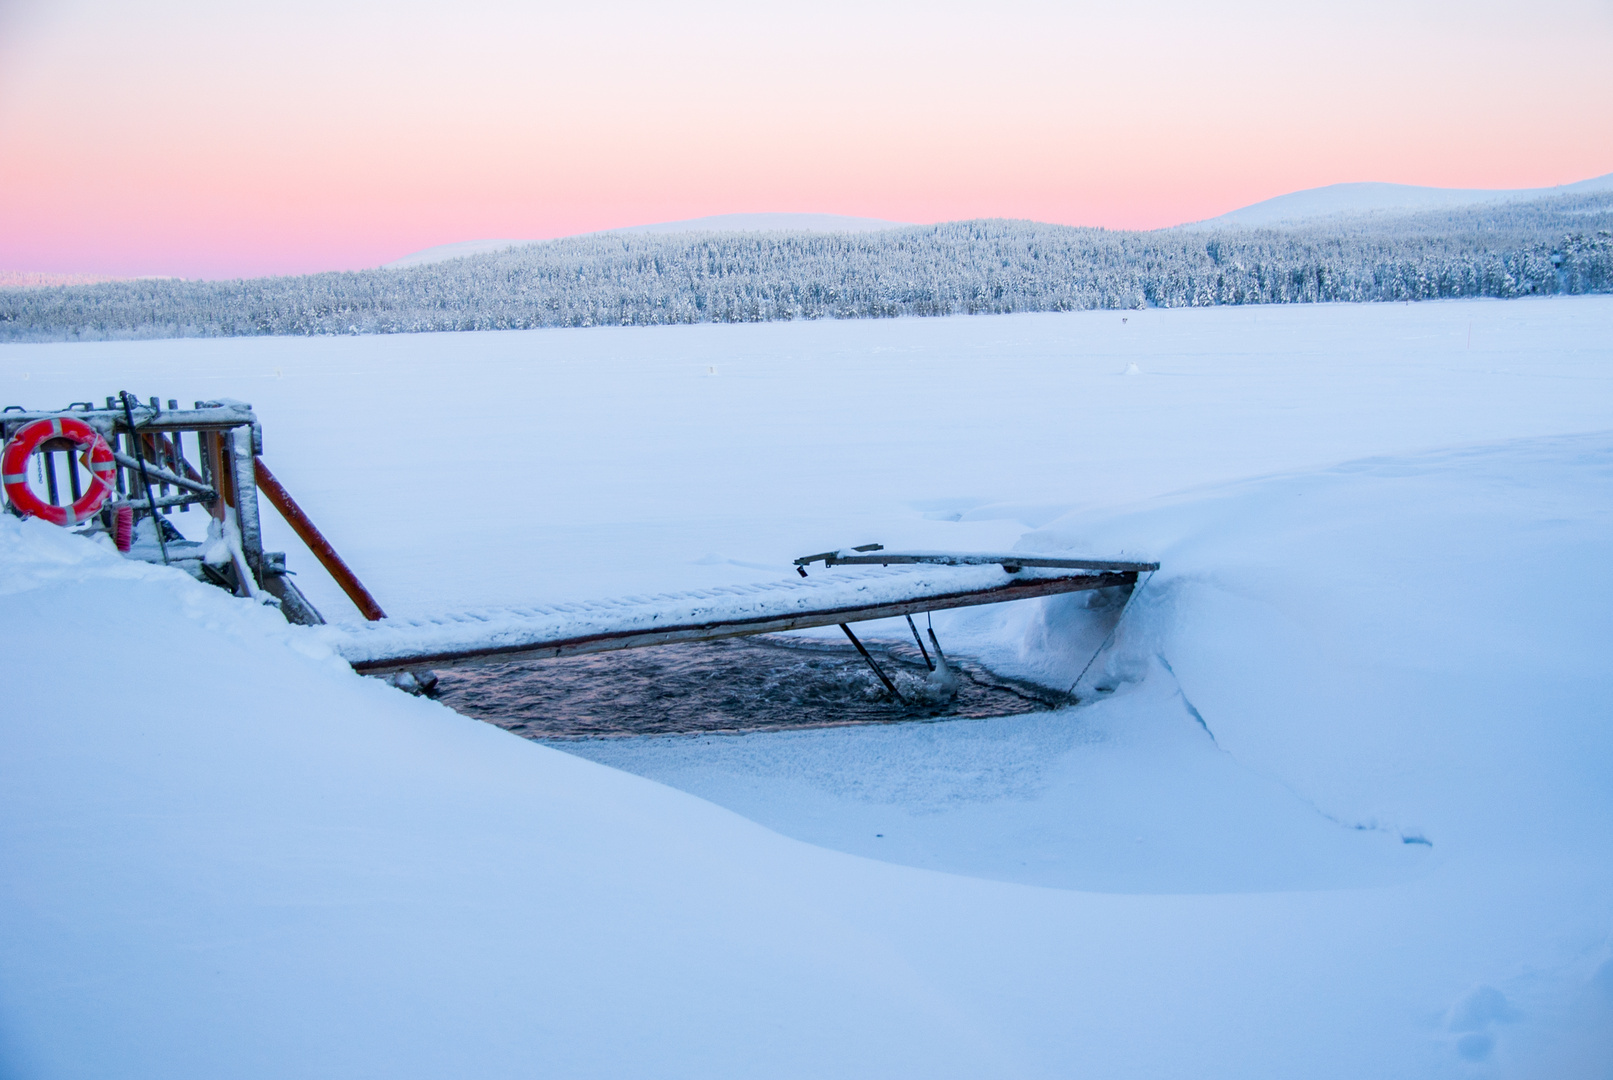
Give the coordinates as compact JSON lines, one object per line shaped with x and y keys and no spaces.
{"x":304,"y":528}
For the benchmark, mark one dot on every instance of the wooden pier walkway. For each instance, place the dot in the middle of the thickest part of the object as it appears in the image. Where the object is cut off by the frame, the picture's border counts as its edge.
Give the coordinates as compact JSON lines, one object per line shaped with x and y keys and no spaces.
{"x":912,"y":583}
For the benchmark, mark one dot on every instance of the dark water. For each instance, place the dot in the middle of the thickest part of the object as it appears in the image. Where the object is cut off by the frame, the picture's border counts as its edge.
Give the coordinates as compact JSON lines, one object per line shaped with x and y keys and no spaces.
{"x":738,"y":684}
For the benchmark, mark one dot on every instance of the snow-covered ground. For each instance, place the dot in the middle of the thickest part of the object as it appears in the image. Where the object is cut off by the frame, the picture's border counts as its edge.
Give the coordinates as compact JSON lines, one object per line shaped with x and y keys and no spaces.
{"x":1348,"y":810}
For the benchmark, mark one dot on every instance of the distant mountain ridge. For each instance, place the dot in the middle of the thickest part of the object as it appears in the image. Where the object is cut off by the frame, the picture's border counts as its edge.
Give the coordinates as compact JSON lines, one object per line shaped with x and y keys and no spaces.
{"x":1374,"y":199}
{"x":1297,"y":208}
{"x":1355,"y":205}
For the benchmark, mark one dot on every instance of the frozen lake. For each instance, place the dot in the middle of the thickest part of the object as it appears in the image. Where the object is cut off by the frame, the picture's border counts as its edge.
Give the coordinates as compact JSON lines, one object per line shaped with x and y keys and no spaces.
{"x":1336,"y":802}
{"x":473,"y":469}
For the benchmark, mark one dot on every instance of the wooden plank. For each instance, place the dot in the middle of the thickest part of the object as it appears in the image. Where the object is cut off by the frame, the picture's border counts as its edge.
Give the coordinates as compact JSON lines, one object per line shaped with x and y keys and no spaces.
{"x":633,"y":639}
{"x":157,"y":472}
{"x":212,"y":419}
{"x":293,"y":604}
{"x":165,"y":501}
{"x":223,"y":474}
{"x":304,"y":527}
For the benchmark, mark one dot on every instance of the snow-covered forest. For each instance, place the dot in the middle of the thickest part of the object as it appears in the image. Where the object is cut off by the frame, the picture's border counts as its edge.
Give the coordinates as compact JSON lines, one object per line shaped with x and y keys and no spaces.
{"x":1561,"y":245}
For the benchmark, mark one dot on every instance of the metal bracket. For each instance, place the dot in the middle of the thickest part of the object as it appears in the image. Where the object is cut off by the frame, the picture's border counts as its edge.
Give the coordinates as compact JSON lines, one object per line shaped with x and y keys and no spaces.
{"x":895,"y":693}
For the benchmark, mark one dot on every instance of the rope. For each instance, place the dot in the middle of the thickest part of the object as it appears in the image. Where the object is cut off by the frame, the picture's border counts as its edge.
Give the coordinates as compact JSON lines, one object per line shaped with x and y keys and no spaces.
{"x":1124,"y":608}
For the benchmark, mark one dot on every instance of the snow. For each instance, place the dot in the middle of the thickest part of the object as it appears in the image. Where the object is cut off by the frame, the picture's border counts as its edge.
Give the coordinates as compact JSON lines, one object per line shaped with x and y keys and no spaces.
{"x":22,"y":279}
{"x":1379,"y":198}
{"x":459,"y":250}
{"x":1343,"y":809}
{"x":1296,"y":207}
{"x":715,"y":223}
{"x":769,"y":222}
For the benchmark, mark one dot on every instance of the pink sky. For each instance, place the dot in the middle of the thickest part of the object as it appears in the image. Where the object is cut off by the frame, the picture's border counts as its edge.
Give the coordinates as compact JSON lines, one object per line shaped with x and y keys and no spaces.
{"x":209,"y":140}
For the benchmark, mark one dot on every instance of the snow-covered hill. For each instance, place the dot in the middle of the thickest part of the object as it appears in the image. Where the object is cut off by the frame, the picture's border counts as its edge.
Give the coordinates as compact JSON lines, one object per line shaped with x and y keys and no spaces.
{"x":1543,"y":247}
{"x":1346,"y":812}
{"x":21,"y":279}
{"x":1295,"y":208}
{"x":1360,"y":200}
{"x":444,"y":252}
{"x":715,"y":223}
{"x":769,"y":223}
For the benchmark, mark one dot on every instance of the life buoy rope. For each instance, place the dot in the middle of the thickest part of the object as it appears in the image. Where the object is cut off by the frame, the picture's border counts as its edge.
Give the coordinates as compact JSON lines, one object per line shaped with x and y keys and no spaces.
{"x":96,"y":455}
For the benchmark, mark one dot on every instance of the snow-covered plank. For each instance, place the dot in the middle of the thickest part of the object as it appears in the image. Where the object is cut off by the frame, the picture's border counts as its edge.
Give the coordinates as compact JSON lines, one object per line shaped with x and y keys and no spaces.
{"x":793,"y":604}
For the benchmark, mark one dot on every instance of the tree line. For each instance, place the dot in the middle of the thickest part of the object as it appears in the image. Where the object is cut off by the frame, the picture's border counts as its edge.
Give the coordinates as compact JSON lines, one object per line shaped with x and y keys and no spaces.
{"x":1558,"y":245}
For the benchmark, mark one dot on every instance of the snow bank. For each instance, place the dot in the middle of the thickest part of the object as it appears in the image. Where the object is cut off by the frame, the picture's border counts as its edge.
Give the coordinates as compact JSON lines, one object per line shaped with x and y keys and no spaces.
{"x":1400,"y":656}
{"x":225,"y":856}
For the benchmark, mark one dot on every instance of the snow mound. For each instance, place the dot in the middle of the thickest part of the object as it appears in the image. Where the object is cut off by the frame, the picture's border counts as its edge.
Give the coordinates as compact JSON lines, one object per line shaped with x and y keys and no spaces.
{"x":1293,"y":673}
{"x":226,"y":854}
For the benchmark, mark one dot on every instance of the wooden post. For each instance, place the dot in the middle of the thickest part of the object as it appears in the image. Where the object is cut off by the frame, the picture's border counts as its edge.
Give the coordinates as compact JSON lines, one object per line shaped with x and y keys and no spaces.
{"x":304,"y":528}
{"x":223,"y":477}
{"x":238,"y":445}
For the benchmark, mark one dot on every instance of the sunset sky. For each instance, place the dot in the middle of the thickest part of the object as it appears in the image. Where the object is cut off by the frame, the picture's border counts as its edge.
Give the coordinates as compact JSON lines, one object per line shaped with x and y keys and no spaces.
{"x":199,"y":139}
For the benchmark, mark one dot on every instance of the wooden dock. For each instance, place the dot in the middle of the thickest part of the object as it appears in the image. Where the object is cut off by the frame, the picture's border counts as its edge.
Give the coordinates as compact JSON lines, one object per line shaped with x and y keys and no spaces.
{"x":209,"y":456}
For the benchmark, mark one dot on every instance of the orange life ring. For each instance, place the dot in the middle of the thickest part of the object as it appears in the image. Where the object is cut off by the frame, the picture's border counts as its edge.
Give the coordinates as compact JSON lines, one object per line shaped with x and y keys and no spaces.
{"x":97,"y":455}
